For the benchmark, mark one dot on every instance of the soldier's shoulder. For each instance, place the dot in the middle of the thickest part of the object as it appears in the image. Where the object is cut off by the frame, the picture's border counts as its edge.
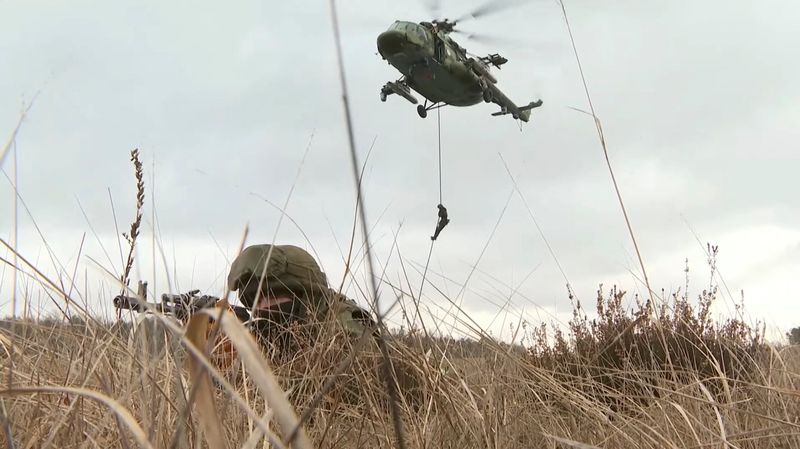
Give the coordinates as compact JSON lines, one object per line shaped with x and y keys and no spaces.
{"x":351,"y":316}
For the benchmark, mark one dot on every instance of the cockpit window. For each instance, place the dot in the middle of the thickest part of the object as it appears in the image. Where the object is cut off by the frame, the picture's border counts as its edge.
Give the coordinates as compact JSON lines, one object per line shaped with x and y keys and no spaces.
{"x":412,"y":29}
{"x":421,"y":33}
{"x":399,"y":26}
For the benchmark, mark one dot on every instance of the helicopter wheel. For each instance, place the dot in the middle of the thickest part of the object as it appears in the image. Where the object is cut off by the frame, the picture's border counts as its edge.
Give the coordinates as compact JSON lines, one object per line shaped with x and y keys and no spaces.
{"x":383,"y":96}
{"x":422,"y":111}
{"x":487,"y":96}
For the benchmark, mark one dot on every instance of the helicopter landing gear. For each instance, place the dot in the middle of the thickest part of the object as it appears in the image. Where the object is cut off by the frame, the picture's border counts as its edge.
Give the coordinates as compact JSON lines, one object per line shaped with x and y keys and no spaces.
{"x":423,"y":109}
{"x":383,"y":96}
{"x":487,"y":95}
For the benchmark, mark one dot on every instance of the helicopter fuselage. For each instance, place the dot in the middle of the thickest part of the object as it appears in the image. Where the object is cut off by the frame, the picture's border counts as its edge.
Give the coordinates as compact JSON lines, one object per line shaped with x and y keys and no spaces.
{"x":430,"y":63}
{"x":440,"y":70}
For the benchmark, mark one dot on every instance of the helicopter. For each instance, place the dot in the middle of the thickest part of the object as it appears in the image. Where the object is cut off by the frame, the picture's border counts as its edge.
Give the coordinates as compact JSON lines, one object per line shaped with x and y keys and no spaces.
{"x":443,"y":72}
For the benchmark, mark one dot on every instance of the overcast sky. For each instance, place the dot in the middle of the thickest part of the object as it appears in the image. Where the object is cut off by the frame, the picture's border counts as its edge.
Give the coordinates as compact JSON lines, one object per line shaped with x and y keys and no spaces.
{"x":698,"y":101}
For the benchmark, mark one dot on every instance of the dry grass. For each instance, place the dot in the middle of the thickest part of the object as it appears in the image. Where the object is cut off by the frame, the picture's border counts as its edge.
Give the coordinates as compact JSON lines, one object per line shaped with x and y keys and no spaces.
{"x":87,"y":384}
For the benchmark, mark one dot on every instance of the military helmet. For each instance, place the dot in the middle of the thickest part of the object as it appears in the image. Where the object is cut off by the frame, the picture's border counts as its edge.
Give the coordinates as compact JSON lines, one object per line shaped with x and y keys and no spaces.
{"x":280,"y":270}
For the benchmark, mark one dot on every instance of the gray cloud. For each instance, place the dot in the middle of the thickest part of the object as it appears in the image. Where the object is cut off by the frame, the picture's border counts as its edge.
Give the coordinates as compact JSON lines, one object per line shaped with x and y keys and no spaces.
{"x":697,"y":103}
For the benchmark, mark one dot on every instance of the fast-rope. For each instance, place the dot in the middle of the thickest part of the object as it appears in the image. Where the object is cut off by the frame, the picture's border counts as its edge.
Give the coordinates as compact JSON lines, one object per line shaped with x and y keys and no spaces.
{"x":442,"y":218}
{"x":439,"y":142}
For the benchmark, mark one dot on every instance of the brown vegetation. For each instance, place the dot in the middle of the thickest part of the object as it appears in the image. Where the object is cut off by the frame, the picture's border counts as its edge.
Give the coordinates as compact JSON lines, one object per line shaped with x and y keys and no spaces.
{"x":647,"y":378}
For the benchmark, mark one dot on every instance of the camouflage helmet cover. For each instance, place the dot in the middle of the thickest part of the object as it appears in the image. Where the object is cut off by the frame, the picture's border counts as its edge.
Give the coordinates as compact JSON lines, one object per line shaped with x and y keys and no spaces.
{"x":287,"y":269}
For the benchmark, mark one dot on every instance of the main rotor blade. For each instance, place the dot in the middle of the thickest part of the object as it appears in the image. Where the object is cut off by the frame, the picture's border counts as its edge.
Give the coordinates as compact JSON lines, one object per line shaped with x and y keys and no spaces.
{"x":433,"y":7}
{"x":490,"y":7}
{"x":488,"y":38}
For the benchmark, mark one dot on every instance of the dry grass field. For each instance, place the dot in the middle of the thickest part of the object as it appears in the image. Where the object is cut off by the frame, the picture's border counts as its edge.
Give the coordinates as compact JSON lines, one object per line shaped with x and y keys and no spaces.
{"x":649,"y":377}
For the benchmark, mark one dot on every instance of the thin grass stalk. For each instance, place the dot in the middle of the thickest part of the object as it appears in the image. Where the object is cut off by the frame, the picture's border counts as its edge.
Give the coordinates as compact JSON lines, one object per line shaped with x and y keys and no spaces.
{"x":132,"y":235}
{"x":386,"y":366}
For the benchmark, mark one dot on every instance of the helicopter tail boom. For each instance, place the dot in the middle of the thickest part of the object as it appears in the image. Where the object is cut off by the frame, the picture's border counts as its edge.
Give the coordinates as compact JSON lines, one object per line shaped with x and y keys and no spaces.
{"x":525,"y":111}
{"x":508,"y":107}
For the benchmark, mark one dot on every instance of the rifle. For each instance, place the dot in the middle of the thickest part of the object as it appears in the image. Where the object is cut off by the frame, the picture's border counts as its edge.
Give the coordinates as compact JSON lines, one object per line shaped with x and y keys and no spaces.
{"x":181,"y":306}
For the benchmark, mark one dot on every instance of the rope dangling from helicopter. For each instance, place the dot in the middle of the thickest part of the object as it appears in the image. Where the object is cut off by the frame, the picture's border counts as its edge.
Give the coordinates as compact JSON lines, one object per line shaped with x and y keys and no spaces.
{"x":442,"y":219}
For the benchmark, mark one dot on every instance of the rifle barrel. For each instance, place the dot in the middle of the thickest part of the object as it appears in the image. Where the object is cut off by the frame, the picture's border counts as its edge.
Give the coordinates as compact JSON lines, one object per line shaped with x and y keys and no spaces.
{"x":180,"y":305}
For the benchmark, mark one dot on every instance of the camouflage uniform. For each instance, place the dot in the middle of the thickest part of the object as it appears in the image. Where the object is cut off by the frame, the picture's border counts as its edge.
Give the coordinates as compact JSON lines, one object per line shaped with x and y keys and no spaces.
{"x":296,"y":289}
{"x":280,"y":271}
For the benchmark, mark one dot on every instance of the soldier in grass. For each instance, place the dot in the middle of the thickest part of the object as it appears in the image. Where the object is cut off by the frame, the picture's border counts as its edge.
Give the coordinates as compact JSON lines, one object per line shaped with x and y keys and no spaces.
{"x":289,"y":294}
{"x":294,"y":307}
